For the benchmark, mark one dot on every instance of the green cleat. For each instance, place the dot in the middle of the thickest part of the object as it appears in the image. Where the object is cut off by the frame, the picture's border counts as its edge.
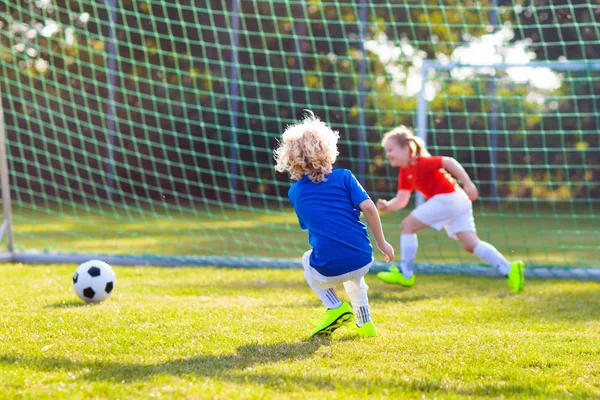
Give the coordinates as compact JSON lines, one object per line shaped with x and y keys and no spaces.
{"x":334,"y":318}
{"x":393,"y":275}
{"x":367,"y":330}
{"x":516,"y":276}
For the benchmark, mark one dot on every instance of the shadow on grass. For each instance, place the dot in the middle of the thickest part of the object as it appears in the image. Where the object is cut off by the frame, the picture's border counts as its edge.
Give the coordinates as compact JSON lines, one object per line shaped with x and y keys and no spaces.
{"x":204,"y":365}
{"x":67,"y":304}
{"x":237,"y":368}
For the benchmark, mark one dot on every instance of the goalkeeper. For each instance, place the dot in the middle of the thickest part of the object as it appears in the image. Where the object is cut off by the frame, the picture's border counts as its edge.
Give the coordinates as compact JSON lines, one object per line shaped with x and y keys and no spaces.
{"x":448,"y":206}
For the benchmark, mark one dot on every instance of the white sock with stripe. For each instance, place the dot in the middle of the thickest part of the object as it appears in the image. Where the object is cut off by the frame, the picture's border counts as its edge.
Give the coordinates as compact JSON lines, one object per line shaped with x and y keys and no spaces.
{"x":329,"y":298}
{"x":363,"y":315}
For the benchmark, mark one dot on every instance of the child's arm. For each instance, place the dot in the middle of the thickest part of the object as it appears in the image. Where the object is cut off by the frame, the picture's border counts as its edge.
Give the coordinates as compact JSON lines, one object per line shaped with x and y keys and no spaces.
{"x":457,"y":170}
{"x":372,"y":217}
{"x":397,"y":203}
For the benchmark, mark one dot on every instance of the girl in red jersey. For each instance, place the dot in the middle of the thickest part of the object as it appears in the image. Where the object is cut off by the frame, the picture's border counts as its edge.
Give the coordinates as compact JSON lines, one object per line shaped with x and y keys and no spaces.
{"x":448,"y":206}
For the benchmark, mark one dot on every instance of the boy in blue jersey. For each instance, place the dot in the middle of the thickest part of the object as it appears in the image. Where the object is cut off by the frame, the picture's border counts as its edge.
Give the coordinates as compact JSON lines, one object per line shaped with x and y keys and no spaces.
{"x":328,"y":203}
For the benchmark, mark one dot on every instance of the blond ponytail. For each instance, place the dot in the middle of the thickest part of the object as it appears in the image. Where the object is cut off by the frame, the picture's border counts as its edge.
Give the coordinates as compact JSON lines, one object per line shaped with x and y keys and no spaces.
{"x":404,"y":136}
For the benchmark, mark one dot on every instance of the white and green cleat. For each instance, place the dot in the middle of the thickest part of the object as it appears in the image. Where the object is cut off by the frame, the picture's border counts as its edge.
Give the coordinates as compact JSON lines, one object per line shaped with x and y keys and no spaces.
{"x":516,"y":276}
{"x":394,"y":276}
{"x":367,"y":330}
{"x":334,"y":319}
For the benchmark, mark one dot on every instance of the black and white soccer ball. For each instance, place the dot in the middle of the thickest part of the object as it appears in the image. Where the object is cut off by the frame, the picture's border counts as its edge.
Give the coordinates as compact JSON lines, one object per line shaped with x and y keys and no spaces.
{"x":94,"y":281}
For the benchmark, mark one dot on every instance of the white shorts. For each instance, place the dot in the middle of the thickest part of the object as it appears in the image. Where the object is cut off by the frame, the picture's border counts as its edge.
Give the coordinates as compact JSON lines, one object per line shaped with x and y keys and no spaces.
{"x":314,"y":277}
{"x":451,"y":211}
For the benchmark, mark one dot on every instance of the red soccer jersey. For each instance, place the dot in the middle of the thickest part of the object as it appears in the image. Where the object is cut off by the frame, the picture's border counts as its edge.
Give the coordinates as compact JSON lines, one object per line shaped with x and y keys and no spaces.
{"x":426,"y":175}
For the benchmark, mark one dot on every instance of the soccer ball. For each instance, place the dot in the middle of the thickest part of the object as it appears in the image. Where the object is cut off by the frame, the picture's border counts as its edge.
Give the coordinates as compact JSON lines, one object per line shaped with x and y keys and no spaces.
{"x":94,"y":281}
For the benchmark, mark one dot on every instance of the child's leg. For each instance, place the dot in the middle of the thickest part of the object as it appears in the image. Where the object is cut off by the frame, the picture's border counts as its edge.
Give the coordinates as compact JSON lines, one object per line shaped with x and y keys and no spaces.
{"x":357,"y":291}
{"x":408,"y":252}
{"x":338,"y":314}
{"x":409,"y":244}
{"x":325,"y":291}
{"x":488,"y":253}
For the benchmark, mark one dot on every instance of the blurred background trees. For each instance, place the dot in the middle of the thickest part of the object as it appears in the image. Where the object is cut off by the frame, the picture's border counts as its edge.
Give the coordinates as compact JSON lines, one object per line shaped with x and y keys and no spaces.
{"x":181,"y":68}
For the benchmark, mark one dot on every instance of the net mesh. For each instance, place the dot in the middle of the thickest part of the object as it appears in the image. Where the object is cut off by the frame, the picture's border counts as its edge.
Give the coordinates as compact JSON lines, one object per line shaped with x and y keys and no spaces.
{"x":146,"y":128}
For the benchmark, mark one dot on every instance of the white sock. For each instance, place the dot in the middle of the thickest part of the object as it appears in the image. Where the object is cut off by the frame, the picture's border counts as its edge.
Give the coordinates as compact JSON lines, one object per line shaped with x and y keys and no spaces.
{"x":492,"y":256}
{"x":363,"y":315}
{"x":408,"y":252}
{"x":357,"y":291}
{"x":329,"y":298}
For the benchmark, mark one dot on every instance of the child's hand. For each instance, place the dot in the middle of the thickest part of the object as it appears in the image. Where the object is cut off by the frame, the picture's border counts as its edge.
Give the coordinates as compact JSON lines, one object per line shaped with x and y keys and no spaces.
{"x":471,"y":191}
{"x":382,"y":205}
{"x":386,"y":249}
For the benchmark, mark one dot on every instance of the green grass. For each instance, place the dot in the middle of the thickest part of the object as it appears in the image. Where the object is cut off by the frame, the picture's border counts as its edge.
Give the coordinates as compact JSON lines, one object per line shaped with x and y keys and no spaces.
{"x":220,"y":333}
{"x":539,"y":236}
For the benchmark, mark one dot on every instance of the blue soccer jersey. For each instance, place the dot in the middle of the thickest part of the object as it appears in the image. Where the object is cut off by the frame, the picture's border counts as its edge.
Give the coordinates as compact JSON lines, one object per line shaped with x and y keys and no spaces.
{"x":330,"y":212}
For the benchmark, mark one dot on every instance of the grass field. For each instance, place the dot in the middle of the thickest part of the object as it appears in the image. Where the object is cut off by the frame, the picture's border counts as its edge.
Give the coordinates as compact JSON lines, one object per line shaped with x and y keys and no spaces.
{"x":220,"y":333}
{"x":539,"y":235}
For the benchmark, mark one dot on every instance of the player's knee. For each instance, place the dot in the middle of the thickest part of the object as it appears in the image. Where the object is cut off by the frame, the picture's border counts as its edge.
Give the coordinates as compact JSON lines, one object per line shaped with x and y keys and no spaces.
{"x":469,"y":247}
{"x":406,"y":227}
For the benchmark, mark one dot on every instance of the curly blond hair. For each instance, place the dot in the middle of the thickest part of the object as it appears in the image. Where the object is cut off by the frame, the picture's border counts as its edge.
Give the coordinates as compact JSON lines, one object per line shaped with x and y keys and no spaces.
{"x":307,"y":148}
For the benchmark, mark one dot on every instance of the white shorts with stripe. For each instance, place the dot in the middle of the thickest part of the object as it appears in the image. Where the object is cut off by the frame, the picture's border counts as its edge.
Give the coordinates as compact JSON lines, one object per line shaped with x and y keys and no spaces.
{"x":451,"y":211}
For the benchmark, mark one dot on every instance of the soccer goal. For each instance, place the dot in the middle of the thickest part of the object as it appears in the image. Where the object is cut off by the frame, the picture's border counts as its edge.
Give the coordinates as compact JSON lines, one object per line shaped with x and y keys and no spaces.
{"x":141,"y":132}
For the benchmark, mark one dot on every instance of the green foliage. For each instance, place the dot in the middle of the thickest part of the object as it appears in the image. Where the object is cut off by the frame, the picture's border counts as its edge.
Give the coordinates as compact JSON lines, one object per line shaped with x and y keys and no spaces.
{"x":174,"y":75}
